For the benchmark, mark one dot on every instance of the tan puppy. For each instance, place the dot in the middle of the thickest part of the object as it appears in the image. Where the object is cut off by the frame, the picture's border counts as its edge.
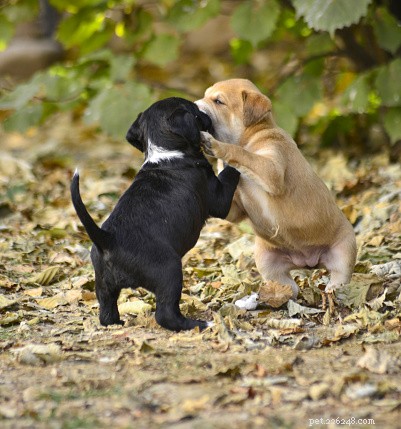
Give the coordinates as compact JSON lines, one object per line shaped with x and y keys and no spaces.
{"x":296,"y":220}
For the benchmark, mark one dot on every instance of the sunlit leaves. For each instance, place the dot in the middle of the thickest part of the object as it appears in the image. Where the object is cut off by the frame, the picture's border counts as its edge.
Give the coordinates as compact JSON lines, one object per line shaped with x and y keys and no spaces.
{"x":388,"y":83}
{"x":6,"y":31}
{"x":299,"y":93}
{"x":356,"y":96}
{"x":241,"y":50}
{"x":285,"y":117}
{"x":86,"y":30}
{"x":329,"y":15}
{"x":121,"y":67}
{"x":392,"y":123}
{"x":387,"y":30}
{"x":255,"y":21}
{"x":162,"y":49}
{"x":24,"y":118}
{"x":116,"y":107}
{"x":187,"y":15}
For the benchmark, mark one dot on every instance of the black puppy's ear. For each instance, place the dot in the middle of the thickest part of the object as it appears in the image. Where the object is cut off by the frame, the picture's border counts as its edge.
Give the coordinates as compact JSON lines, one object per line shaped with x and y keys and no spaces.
{"x":184,"y":124}
{"x":135,"y":134}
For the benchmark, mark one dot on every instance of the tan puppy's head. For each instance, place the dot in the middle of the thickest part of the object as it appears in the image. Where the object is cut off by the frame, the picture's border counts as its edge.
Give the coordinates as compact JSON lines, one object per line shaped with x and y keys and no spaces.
{"x":233,"y":106}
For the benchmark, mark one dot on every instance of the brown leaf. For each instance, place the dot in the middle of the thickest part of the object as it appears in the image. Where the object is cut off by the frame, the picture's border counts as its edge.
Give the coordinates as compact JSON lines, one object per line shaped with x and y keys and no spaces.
{"x":378,"y":361}
{"x":274,"y":293}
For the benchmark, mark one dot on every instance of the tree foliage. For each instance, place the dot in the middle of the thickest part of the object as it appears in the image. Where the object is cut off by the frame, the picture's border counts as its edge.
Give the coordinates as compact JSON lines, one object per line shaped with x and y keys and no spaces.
{"x":341,"y":67}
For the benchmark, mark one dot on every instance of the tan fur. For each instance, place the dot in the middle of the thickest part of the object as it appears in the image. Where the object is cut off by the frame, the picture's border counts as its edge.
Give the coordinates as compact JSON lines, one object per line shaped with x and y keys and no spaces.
{"x":295,"y":218}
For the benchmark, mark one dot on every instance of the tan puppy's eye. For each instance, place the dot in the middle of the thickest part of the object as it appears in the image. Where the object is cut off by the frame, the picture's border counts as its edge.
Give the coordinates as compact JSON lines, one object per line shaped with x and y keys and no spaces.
{"x":218,"y":101}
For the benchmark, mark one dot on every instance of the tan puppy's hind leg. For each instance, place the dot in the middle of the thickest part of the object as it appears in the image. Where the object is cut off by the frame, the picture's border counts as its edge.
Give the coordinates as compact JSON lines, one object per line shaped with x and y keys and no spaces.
{"x":274,"y":265}
{"x":340,"y":261}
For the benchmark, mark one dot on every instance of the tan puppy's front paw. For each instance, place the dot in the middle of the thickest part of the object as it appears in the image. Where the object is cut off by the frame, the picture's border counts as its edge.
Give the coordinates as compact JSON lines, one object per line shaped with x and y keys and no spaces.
{"x":207,"y":143}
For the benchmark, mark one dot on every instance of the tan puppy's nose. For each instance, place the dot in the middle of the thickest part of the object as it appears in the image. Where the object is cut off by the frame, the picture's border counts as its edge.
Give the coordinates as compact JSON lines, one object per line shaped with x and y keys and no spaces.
{"x":202,"y":106}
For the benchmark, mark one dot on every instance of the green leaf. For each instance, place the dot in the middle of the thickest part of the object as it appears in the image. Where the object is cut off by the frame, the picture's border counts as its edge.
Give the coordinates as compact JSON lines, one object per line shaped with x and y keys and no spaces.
{"x":317,"y":44}
{"x":392,"y":123}
{"x":300,"y":92}
{"x":387,"y":30}
{"x":115,"y":108}
{"x":356,"y":96}
{"x":388,"y":83}
{"x":241,"y":50}
{"x":87,"y":30}
{"x":162,"y":49}
{"x":24,"y":118}
{"x":255,"y":21}
{"x":76,"y":4}
{"x":20,"y":96}
{"x":6,"y":32}
{"x":121,"y":67}
{"x":187,"y":15}
{"x":329,"y":15}
{"x":285,"y":118}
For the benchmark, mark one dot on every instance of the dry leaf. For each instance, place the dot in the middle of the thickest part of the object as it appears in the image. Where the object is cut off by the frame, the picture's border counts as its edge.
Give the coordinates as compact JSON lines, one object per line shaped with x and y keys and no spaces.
{"x":37,"y":354}
{"x":284,"y":323}
{"x":378,"y":361}
{"x":275,"y":294}
{"x":46,"y":277}
{"x":5,"y":302}
{"x":192,"y":406}
{"x":134,"y":307}
{"x":35,"y":292}
{"x":295,"y":308}
{"x":53,"y":301}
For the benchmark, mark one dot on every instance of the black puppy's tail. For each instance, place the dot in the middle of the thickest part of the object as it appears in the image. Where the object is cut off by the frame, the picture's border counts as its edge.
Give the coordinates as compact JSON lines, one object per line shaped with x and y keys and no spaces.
{"x":101,"y":238}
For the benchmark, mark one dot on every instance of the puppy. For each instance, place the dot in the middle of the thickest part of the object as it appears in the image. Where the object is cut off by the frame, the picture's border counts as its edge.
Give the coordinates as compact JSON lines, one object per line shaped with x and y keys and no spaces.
{"x":296,"y":221}
{"x":160,"y":216}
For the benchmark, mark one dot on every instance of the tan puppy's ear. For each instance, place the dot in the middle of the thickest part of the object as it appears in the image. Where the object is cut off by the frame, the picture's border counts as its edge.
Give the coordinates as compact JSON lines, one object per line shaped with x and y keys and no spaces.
{"x":257,"y":107}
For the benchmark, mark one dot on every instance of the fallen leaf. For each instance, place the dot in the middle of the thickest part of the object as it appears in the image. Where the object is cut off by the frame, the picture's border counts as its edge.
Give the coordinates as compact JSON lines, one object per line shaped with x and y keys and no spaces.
{"x":343,"y":331}
{"x":243,"y":246}
{"x":192,"y":406}
{"x":134,"y":307}
{"x":378,"y":302}
{"x":35,"y":292}
{"x":10,"y":318}
{"x":354,"y":294}
{"x":53,"y":301}
{"x":284,"y":323}
{"x":38,"y":354}
{"x":295,"y":308}
{"x":46,"y":277}
{"x":274,"y":293}
{"x":5,"y":302}
{"x":378,"y":361}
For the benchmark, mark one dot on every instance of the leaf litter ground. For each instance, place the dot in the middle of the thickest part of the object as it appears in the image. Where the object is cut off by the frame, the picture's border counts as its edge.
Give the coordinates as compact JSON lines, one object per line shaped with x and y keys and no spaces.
{"x":282,"y":365}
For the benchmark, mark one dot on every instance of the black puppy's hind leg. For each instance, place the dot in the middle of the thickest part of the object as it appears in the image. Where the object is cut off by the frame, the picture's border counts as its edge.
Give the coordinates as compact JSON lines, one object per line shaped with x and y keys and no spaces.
{"x":107,"y":295}
{"x":168,"y":294}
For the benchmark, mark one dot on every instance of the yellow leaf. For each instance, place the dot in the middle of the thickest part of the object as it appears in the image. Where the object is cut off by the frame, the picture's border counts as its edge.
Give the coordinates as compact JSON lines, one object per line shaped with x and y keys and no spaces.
{"x":46,"y":277}
{"x":52,"y":302}
{"x":36,"y":292}
{"x":5,"y":302}
{"x":134,"y":307}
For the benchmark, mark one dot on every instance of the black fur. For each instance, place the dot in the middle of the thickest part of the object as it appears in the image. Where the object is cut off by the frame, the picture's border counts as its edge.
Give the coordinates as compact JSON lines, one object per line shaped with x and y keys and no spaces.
{"x":160,"y":216}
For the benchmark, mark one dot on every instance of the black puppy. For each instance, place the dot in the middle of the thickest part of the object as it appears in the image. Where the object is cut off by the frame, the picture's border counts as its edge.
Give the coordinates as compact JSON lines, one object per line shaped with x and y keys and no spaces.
{"x":160,"y":216}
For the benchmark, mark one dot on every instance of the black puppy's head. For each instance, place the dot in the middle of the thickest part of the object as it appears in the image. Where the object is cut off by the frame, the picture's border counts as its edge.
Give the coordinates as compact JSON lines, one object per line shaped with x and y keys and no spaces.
{"x":172,"y":124}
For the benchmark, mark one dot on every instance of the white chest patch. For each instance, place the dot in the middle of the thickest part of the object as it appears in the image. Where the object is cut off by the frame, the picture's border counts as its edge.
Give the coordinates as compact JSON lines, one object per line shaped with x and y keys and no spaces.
{"x":157,"y":154}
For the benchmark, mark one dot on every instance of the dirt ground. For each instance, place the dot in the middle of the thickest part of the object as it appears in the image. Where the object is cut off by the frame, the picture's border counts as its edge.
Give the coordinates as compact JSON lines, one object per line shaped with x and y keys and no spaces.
{"x":295,"y":366}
